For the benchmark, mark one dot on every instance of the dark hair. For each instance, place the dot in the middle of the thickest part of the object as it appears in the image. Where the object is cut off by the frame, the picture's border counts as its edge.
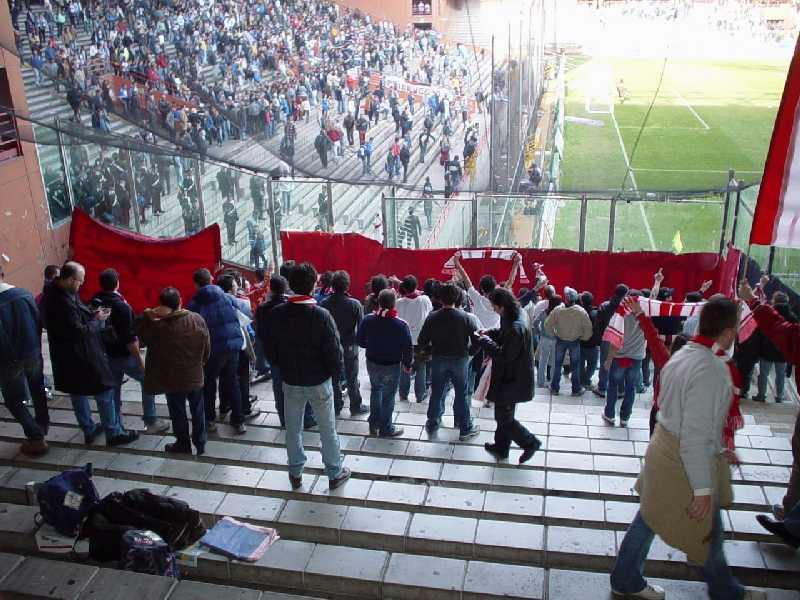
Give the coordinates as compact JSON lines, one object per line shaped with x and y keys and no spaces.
{"x":378,"y":283}
{"x":505,"y":299}
{"x":340,"y":282}
{"x":278,"y":284}
{"x":170,"y":297}
{"x":69,"y":269}
{"x":780,"y":298}
{"x":449,"y":294}
{"x":678,"y":342}
{"x":487,"y":284}
{"x":621,"y":290}
{"x":587,"y":299}
{"x":549,"y":291}
{"x":431,"y":288}
{"x":522,"y":292}
{"x":387,"y":299}
{"x":261,"y":275}
{"x":109,"y":280}
{"x":554,"y":302}
{"x":408,"y":285}
{"x":202,"y":277}
{"x":50,"y":271}
{"x":225,"y":281}
{"x":694,"y":297}
{"x":303,"y":278}
{"x":717,"y":315}
{"x":325,"y":279}
{"x":286,"y":268}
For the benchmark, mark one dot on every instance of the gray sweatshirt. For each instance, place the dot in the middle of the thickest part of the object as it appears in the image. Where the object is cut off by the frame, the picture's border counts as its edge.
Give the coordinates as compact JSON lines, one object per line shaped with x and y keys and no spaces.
{"x":694,"y":400}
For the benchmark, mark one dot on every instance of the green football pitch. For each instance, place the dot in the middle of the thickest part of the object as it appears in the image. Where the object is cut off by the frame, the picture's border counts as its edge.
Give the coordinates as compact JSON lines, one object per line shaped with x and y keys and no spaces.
{"x":707,"y":117}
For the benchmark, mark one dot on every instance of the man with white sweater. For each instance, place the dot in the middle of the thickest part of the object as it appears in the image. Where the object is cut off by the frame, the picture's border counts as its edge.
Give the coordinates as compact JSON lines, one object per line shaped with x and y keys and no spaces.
{"x":413,"y":307}
{"x":686,"y":479}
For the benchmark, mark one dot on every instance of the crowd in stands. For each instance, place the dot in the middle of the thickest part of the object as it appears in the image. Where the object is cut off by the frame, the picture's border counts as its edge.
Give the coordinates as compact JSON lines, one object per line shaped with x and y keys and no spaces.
{"x":305,"y":332}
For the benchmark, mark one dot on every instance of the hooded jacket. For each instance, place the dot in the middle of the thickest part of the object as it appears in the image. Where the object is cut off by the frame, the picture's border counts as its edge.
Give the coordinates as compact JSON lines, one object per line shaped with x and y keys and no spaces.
{"x":219,"y":311}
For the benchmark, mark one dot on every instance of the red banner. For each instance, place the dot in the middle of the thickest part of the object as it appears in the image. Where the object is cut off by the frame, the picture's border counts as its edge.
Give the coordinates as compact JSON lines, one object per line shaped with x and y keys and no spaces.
{"x":597,"y":272}
{"x":145,"y":265}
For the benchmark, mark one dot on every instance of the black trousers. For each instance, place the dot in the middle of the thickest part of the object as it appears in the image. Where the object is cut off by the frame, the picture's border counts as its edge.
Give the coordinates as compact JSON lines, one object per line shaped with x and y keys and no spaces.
{"x":509,"y":429}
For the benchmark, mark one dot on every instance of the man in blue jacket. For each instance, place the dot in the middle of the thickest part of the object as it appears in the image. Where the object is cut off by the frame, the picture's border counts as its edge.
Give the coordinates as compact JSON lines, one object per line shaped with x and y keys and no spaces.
{"x":21,"y":359}
{"x":220,"y":313}
{"x":387,"y":340}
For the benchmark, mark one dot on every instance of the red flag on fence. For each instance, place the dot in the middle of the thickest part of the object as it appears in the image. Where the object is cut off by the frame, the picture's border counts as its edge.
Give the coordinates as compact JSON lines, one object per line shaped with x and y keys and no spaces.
{"x":777,"y":216}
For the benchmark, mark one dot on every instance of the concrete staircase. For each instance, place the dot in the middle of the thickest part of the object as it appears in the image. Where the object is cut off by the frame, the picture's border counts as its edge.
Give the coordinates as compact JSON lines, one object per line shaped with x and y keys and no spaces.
{"x":424,"y":516}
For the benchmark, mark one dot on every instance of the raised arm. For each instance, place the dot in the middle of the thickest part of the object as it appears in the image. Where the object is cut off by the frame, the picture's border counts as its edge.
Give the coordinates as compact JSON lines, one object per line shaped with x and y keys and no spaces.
{"x":460,"y":270}
{"x":512,"y":276}
{"x":658,"y":278}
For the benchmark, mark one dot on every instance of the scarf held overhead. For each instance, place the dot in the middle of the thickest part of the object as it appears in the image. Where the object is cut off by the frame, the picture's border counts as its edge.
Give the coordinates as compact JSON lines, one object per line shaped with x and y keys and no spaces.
{"x":449,"y":267}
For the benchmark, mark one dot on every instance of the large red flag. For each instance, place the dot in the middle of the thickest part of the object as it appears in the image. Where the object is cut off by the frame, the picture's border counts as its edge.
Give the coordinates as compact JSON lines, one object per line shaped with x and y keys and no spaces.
{"x":777,"y":216}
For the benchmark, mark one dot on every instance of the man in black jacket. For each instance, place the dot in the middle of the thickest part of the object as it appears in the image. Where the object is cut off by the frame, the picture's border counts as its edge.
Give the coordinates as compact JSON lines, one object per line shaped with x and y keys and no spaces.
{"x":122,"y":347}
{"x":604,"y":314}
{"x":347,"y":312}
{"x":80,"y":364}
{"x":302,"y":339}
{"x":449,"y":331}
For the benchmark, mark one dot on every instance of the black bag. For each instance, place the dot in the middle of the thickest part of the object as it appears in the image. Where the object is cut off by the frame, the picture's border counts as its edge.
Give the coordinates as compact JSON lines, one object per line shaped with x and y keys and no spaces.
{"x":174,"y":520}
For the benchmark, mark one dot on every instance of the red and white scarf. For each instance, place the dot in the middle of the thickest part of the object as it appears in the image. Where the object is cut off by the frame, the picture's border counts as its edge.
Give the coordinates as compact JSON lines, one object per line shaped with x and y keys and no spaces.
{"x":385,"y":313}
{"x":450,"y":266}
{"x":615,"y":332}
{"x":300,"y":299}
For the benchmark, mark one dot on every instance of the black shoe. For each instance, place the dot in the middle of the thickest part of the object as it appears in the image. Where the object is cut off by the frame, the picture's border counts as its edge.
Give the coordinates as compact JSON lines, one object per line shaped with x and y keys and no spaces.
{"x":297,"y":482}
{"x":344,"y":475}
{"x":252,"y":414}
{"x":758,"y":399}
{"x":373,"y":431}
{"x":177,"y":449}
{"x":201,"y":451}
{"x":310,"y":424}
{"x":360,"y":410}
{"x":431,"y":427}
{"x":528,"y":452}
{"x":126,"y":437}
{"x":495,"y":451}
{"x":88,"y":438}
{"x":394,"y":432}
{"x":779,"y":529}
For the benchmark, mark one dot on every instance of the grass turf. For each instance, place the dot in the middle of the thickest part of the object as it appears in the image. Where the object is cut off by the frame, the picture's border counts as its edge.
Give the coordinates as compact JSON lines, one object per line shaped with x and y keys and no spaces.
{"x":708,"y":117}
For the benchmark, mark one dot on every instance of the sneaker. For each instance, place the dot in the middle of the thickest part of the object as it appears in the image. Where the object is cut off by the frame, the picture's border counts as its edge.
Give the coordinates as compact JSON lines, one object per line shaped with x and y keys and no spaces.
{"x":126,"y":437}
{"x":296,"y":482}
{"x":606,"y":420}
{"x":344,"y":475}
{"x":596,"y":391}
{"x":579,"y":393}
{"x":528,"y":452}
{"x":394,"y":432}
{"x":752,"y":594}
{"x":211,"y":426}
{"x":88,"y":438}
{"x":252,"y":414}
{"x":177,"y":449}
{"x":361,"y":410}
{"x":651,"y":592}
{"x":470,"y":433}
{"x":495,"y":451}
{"x":34,"y":447}
{"x":623,"y":423}
{"x":240,"y":429}
{"x":641,"y":389}
{"x":158,"y":426}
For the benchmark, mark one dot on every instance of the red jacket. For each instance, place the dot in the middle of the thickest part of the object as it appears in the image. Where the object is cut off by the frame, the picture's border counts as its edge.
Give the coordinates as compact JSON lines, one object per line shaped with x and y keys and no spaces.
{"x":785,"y":335}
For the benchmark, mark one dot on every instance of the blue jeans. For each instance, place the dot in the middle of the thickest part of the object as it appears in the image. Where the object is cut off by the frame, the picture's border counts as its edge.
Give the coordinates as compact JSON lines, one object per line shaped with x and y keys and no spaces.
{"x":383,"y":382}
{"x":223,"y":366}
{"x":628,"y":574}
{"x":105,"y":406}
{"x":451,"y":369}
{"x":296,"y":398}
{"x":574,"y":349}
{"x":350,"y":375}
{"x":277,"y":390}
{"x":21,"y":381}
{"x":589,"y":356}
{"x":261,"y":365}
{"x":602,"y":374}
{"x":764,"y":367}
{"x":176,"y":403}
{"x":419,"y":372}
{"x":547,"y":351}
{"x":622,"y":376}
{"x":128,"y":365}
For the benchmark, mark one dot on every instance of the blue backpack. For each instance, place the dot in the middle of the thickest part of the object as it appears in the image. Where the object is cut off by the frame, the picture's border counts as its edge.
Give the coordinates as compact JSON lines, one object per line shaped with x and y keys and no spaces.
{"x":65,"y":499}
{"x":147,"y":552}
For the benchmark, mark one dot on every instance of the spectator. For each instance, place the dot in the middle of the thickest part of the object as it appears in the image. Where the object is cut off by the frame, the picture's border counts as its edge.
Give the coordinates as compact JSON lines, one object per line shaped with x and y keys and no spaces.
{"x":770,"y":357}
{"x":80,"y":364}
{"x":512,"y":376}
{"x":547,"y":344}
{"x":387,"y":340}
{"x":414,"y":307}
{"x":570,"y":325}
{"x":347,"y":314}
{"x":21,"y":372}
{"x":220,"y":313}
{"x":447,"y":332}
{"x":301,"y":338}
{"x":178,"y":347}
{"x":122,"y":348}
{"x":604,"y":313}
{"x":377,"y":284}
{"x":590,"y":349}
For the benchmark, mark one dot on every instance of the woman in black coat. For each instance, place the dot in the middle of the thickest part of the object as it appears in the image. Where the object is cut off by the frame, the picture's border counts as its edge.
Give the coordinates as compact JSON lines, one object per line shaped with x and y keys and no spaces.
{"x":512,"y":375}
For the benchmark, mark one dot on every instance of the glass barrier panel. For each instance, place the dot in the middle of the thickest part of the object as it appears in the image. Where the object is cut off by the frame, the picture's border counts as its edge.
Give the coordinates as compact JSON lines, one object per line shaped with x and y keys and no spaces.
{"x":559,"y":219}
{"x":416,"y":222}
{"x":357,"y":209}
{"x":244,"y":219}
{"x":54,"y":175}
{"x":300,"y":205}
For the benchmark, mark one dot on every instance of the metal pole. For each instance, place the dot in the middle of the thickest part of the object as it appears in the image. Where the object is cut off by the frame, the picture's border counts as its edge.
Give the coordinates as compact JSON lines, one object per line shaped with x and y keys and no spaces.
{"x":272,"y":230}
{"x":582,"y":231}
{"x":329,"y":192}
{"x":474,"y":224}
{"x":508,"y":112}
{"x":491,"y":124}
{"x":199,"y":187}
{"x":63,"y":155}
{"x":132,"y":191}
{"x":736,"y":215}
{"x":384,"y":220}
{"x":725,"y":212}
{"x":612,"y":217}
{"x":771,"y":260}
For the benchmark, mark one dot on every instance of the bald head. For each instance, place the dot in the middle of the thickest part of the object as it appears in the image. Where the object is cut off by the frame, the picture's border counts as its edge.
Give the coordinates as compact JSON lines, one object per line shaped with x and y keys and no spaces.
{"x":71,"y":276}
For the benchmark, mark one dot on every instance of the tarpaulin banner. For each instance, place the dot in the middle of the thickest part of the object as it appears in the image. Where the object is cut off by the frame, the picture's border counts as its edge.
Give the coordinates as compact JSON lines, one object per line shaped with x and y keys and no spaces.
{"x":145,"y":265}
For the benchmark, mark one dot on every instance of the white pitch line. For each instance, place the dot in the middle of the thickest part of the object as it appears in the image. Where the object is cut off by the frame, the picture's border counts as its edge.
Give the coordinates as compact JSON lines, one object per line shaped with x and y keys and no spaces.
{"x":633,"y":181}
{"x":691,"y":170}
{"x":691,"y":109}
